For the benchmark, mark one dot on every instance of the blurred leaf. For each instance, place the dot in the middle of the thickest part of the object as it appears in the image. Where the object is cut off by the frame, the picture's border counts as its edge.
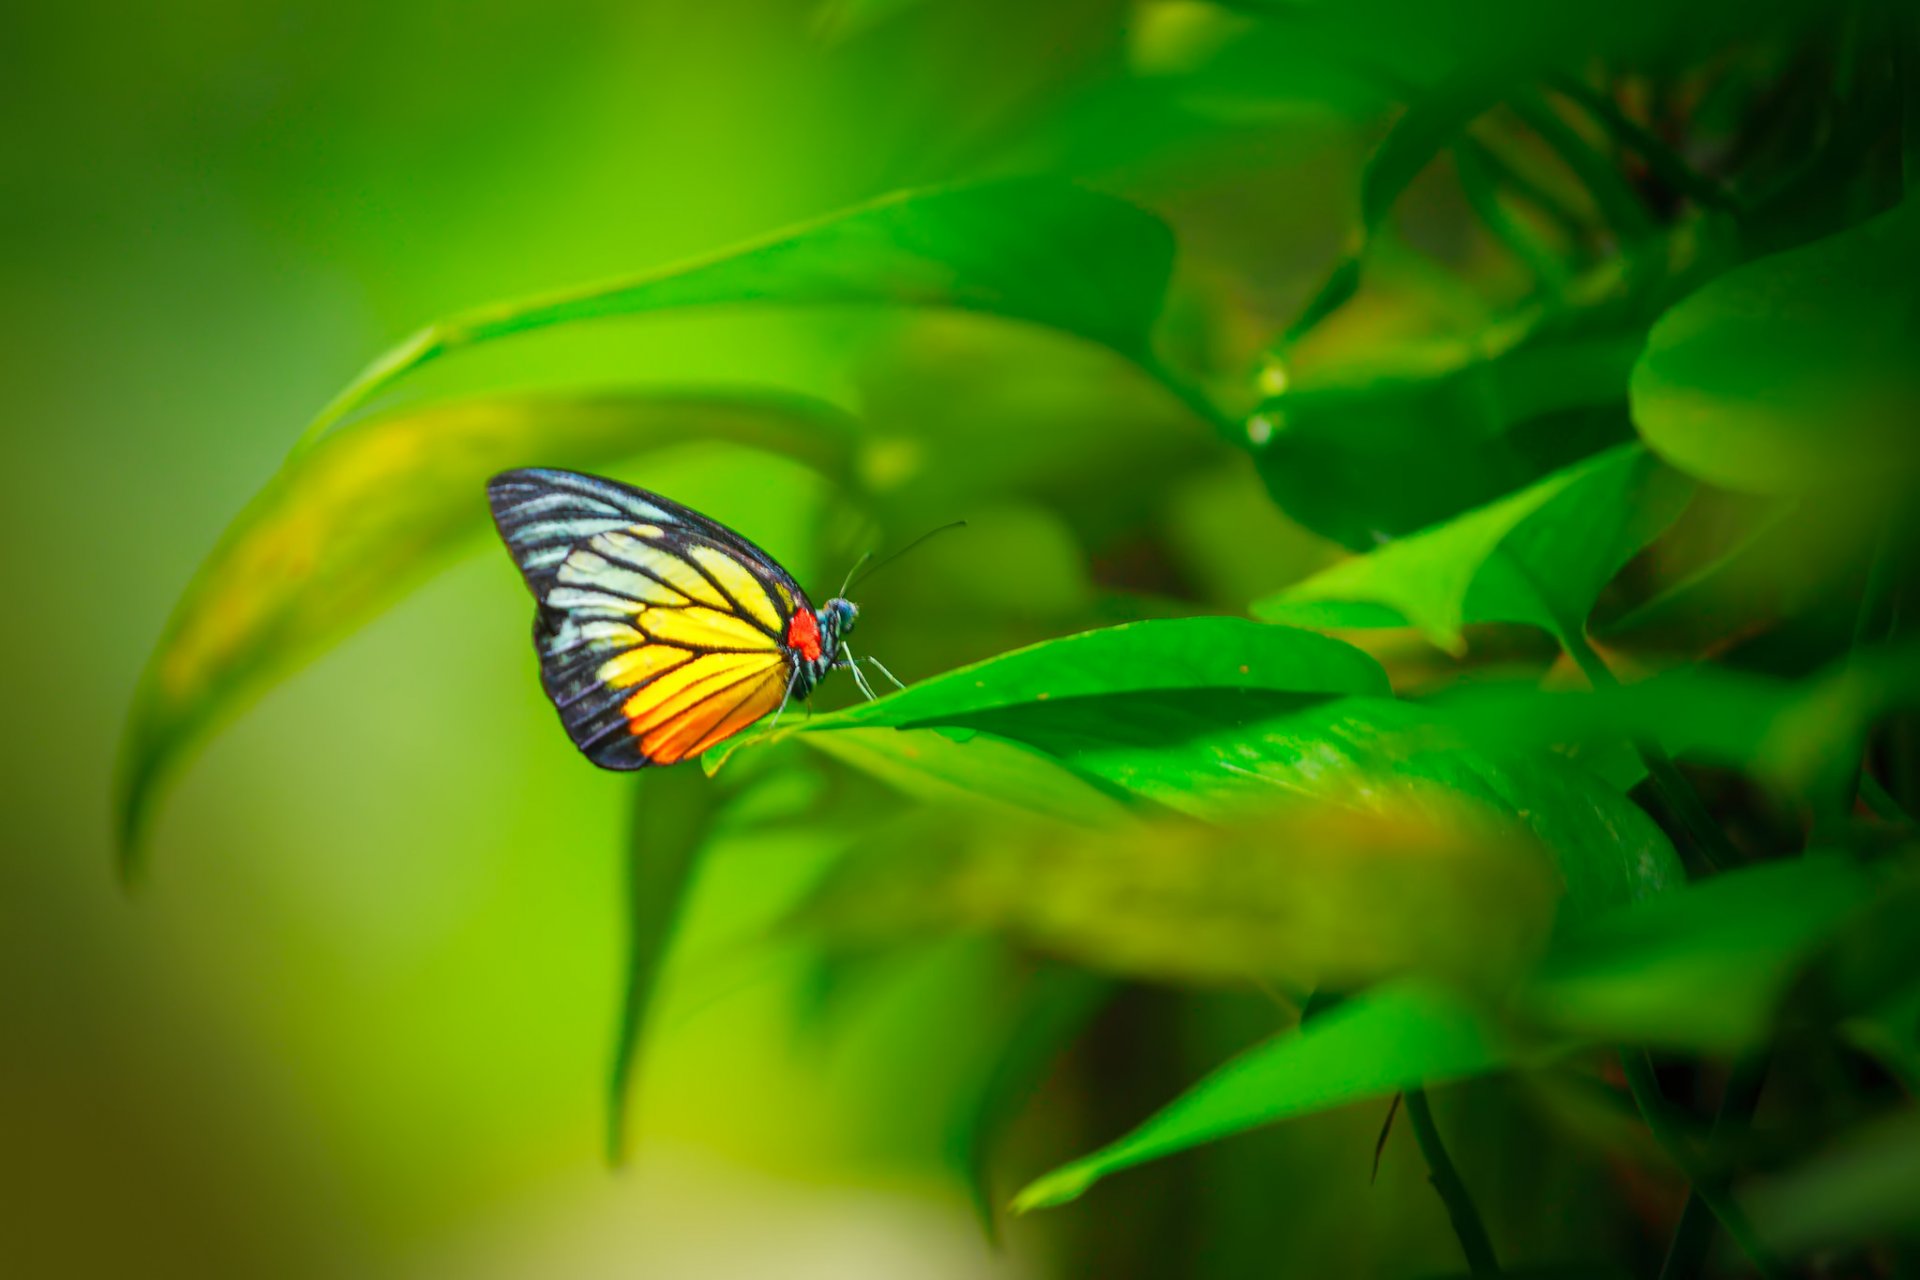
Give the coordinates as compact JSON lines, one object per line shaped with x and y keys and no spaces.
{"x":1373,"y":453}
{"x":1796,"y":371}
{"x":351,"y":524}
{"x":1305,"y":896}
{"x":1217,"y":754}
{"x":1214,"y":760}
{"x":1427,"y":127}
{"x":1867,"y":1185}
{"x":1156,"y":655}
{"x":1702,"y":969}
{"x":1053,"y":1007}
{"x":1738,"y":585}
{"x":1032,"y":249}
{"x":1867,"y":976}
{"x":1797,"y":734}
{"x":673,"y":811}
{"x":934,"y":767}
{"x":1371,"y":1046}
{"x":1540,"y":556}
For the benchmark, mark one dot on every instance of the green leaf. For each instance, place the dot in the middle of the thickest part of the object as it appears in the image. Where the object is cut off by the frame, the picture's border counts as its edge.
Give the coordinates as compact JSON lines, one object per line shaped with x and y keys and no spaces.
{"x":1217,"y":757}
{"x":1371,"y":1046}
{"x":349,"y":525}
{"x":1703,"y":969}
{"x":1796,"y":371}
{"x":934,"y":767}
{"x":673,"y":811}
{"x":1220,"y":754}
{"x":1540,"y":556}
{"x":1053,"y":1007}
{"x":1802,"y":735}
{"x":1866,"y":1186}
{"x":1302,"y":895}
{"x":1363,"y":454}
{"x":1426,"y":129}
{"x":1156,"y":655}
{"x":1031,"y":249}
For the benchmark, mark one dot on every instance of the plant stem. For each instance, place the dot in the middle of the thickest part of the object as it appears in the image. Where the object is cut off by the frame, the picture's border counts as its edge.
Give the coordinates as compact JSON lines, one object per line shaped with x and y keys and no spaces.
{"x":1190,"y":395}
{"x":1610,"y":193}
{"x":1660,"y":158}
{"x":1453,"y":1192}
{"x":1687,"y":1251}
{"x":1709,"y":845}
{"x":1711,"y":1190}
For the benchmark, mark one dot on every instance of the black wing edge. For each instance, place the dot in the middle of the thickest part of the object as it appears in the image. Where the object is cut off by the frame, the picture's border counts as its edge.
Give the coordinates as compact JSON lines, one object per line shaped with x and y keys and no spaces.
{"x":591,"y":712}
{"x":542,"y":512}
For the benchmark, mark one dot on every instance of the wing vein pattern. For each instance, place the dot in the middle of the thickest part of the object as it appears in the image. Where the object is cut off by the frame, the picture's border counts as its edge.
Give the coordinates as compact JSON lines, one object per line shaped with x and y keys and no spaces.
{"x":660,"y":632}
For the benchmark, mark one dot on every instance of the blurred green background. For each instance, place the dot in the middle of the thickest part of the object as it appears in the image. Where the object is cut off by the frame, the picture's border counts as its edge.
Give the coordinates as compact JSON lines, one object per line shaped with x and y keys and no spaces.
{"x":358,"y":1018}
{"x":357,"y":1022}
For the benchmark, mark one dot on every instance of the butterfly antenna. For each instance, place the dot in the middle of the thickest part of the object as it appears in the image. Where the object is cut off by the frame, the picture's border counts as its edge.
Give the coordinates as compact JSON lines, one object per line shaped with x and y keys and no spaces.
{"x":853,"y":581}
{"x":847,"y":585}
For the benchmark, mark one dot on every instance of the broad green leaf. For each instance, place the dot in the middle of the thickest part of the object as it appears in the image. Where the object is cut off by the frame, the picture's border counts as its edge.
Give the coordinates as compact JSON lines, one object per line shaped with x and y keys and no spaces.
{"x":1426,"y":129}
{"x":349,"y":525}
{"x":1703,"y":969}
{"x":1361,"y":455}
{"x":1800,"y":735}
{"x":1156,"y":655}
{"x":1303,"y":896}
{"x":1540,"y":556}
{"x":934,"y":767}
{"x":1030,"y":249}
{"x":1371,"y":1046}
{"x":1796,"y":371}
{"x":1758,"y":572}
{"x":1219,"y":754}
{"x":673,"y":811}
{"x":1054,"y":1005}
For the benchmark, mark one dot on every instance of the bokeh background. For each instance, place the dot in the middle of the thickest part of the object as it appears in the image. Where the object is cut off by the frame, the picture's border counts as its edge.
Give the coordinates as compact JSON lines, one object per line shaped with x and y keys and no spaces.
{"x":358,"y":1018}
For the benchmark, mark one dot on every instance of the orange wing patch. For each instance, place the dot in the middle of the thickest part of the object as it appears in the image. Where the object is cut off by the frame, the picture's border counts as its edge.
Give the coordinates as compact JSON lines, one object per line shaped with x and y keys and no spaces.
{"x":693,"y":706}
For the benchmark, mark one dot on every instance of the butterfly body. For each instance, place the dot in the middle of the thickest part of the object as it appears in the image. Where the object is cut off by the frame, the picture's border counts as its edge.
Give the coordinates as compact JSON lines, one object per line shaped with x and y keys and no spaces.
{"x":660,"y":632}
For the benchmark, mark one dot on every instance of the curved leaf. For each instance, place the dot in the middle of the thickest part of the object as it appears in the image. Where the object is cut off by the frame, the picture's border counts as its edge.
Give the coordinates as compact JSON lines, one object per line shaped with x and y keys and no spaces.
{"x":1804,"y":735}
{"x":673,"y":813}
{"x":348,"y":525}
{"x":1363,"y":454}
{"x":1796,"y":371}
{"x":1159,"y":654}
{"x":1032,"y":249}
{"x":1008,"y":775}
{"x":1540,"y":556}
{"x":1371,"y":1046}
{"x":1704,"y":969}
{"x":1216,"y":759}
{"x":1301,"y":895}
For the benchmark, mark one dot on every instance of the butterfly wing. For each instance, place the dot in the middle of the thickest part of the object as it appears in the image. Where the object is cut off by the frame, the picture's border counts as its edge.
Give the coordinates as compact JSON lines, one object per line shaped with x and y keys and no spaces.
{"x":660,"y":632}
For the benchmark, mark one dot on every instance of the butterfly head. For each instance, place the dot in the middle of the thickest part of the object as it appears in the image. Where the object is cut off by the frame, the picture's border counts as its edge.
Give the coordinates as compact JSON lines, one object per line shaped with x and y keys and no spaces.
{"x":837,"y":617}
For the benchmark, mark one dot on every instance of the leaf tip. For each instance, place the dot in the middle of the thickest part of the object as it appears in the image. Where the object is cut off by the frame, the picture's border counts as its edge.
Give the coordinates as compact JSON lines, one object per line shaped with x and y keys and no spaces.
{"x":1050,"y":1190}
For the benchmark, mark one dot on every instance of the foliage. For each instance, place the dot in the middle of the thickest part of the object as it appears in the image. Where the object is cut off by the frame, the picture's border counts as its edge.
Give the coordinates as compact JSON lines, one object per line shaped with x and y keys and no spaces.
{"x":1665,"y":289}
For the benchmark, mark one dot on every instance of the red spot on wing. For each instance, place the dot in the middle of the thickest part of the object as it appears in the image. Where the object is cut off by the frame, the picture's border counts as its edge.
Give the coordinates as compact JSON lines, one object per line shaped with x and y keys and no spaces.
{"x":803,"y":635}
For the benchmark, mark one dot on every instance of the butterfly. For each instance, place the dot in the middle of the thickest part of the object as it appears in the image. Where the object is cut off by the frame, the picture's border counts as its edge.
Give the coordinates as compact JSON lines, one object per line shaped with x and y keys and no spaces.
{"x":660,"y":632}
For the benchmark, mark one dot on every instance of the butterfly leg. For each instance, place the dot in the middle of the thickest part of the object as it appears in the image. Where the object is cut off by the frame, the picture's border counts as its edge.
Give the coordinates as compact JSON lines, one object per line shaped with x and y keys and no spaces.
{"x":785,"y":699}
{"x":852,"y":664}
{"x":882,"y":668}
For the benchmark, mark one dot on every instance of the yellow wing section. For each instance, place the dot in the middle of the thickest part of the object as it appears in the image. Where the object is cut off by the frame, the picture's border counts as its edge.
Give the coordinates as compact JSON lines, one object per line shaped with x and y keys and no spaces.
{"x":655,"y":646}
